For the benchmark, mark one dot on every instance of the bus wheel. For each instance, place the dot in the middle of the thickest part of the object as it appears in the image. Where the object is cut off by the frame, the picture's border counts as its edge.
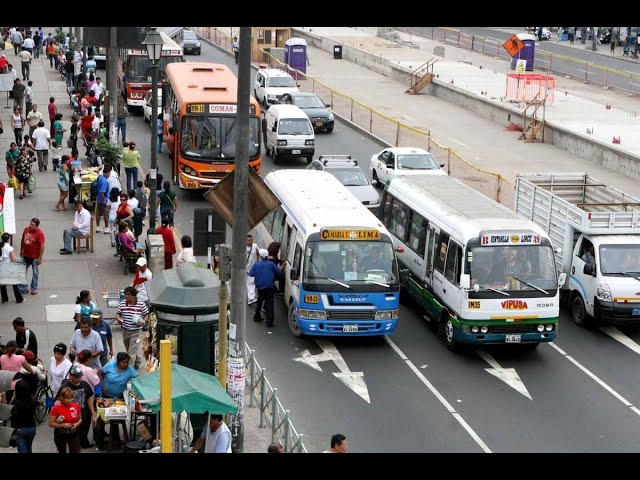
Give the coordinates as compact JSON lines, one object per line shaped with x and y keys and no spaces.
{"x":448,"y":332}
{"x":293,"y":324}
{"x":578,"y":311}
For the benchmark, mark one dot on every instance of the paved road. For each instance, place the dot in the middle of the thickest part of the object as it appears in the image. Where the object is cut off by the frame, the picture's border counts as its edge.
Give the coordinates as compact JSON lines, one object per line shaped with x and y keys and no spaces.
{"x":572,"y":407}
{"x":559,"y":65}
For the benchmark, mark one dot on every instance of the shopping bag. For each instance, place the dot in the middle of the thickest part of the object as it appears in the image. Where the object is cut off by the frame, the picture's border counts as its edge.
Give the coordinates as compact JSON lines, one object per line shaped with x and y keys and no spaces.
{"x":13,"y":183}
{"x":31,"y":183}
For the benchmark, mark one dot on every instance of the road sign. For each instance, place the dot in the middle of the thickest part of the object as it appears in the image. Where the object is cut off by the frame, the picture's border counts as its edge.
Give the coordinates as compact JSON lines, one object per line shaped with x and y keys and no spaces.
{"x":513,"y":45}
{"x":521,"y":65}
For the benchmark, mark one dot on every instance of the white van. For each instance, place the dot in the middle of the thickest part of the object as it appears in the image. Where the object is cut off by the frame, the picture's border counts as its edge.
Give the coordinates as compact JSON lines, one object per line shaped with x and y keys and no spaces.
{"x":288,"y":133}
{"x":270,"y":84}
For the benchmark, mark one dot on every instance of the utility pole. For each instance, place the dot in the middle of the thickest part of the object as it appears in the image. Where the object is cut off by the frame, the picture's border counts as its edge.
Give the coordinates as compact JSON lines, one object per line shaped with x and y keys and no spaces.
{"x":112,"y":82}
{"x":224,"y":274}
{"x":594,"y":38}
{"x":238,"y":242}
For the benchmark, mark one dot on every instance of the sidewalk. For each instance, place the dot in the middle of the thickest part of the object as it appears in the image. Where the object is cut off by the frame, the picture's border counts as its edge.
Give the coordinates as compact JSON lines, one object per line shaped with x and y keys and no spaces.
{"x":49,"y":313}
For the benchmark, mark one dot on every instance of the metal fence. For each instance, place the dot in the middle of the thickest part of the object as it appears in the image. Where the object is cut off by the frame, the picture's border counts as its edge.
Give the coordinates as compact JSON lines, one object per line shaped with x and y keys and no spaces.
{"x":272,"y":413}
{"x":391,"y":131}
{"x":556,"y":63}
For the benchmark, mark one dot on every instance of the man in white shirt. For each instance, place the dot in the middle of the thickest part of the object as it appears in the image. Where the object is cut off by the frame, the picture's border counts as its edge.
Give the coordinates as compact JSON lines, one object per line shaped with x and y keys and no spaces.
{"x":143,"y":275}
{"x":29,"y":44}
{"x":25,"y":62}
{"x":80,"y":228}
{"x":41,"y":142}
{"x":98,"y":87}
{"x":33,"y":118}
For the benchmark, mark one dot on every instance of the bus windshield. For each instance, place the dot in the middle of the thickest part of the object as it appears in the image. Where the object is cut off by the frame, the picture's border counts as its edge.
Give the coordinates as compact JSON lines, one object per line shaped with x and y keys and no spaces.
{"x":139,"y":67}
{"x":524,"y":267}
{"x":214,"y":137}
{"x":349,"y":262}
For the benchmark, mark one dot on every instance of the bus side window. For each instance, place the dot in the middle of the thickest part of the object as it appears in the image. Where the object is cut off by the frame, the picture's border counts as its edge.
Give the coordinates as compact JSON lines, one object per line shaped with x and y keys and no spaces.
{"x":417,"y":233}
{"x":297,"y":258}
{"x":399,"y":219}
{"x":292,"y":242}
{"x":278,"y":225}
{"x":442,"y":245}
{"x":386,"y":209}
{"x":267,"y":221}
{"x":454,"y":260}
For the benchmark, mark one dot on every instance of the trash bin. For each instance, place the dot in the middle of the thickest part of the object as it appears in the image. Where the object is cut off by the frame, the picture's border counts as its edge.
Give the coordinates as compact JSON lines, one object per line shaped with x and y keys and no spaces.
{"x":337,"y":52}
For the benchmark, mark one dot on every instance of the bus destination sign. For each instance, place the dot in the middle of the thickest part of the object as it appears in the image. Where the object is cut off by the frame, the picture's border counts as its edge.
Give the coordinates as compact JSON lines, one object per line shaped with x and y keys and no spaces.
{"x":511,"y":239}
{"x":335,"y":234}
{"x":216,"y":108}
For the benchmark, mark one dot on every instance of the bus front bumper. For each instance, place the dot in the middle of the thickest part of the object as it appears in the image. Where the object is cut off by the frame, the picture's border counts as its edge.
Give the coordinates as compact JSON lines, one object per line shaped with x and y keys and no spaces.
{"x":346,"y":328}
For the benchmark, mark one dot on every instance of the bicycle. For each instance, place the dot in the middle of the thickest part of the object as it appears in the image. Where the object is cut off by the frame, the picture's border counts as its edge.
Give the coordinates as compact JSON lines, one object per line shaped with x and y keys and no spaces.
{"x":44,"y":398}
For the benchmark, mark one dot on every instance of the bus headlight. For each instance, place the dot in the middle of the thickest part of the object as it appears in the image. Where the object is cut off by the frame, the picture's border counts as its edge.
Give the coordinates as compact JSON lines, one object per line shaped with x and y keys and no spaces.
{"x":484,"y":329}
{"x":541,"y":328}
{"x":386,"y":314}
{"x":603,"y":293}
{"x":282,"y":143}
{"x":188,"y":170}
{"x":475,"y":329}
{"x":549,"y":328}
{"x":312,"y":314}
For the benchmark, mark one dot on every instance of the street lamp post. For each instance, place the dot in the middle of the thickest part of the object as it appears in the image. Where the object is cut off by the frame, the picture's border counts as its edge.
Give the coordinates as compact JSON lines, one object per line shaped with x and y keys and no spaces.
{"x":153,"y":42}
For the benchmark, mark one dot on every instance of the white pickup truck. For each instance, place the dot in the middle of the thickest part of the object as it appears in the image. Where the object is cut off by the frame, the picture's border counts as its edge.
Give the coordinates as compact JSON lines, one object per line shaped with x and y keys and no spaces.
{"x":595,"y":230}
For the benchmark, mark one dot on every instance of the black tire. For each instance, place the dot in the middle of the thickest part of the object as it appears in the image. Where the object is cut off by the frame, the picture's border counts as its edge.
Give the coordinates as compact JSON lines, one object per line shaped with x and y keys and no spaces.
{"x":293,"y":325}
{"x":329,"y":130}
{"x":309,"y":160}
{"x":579,"y":312}
{"x":447,"y":331}
{"x":432,"y":323}
{"x":274,"y":155}
{"x":42,"y":411}
{"x":530,"y":346}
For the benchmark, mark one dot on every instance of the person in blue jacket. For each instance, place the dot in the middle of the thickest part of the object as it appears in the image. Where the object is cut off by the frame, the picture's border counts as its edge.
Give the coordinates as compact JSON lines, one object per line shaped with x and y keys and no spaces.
{"x":265,"y":273}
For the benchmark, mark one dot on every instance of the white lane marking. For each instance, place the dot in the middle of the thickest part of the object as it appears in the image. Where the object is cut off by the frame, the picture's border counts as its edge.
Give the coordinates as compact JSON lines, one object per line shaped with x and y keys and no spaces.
{"x":459,"y":143}
{"x":353,"y":380}
{"x":616,"y":334}
{"x":596,"y":379}
{"x":507,"y":375}
{"x":440,"y":398}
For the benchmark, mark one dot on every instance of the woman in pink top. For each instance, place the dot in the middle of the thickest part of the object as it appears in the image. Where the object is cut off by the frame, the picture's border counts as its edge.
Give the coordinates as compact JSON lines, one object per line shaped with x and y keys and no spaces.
{"x":12,"y":362}
{"x":88,"y":373}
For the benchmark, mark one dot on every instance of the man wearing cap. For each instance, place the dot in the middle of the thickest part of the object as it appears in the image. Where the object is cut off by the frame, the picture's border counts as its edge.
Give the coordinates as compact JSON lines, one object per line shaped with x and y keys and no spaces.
{"x":86,"y":338}
{"x":265,"y":273}
{"x":83,"y":396}
{"x":104,"y":330}
{"x":143,"y":275}
{"x":132,"y":315}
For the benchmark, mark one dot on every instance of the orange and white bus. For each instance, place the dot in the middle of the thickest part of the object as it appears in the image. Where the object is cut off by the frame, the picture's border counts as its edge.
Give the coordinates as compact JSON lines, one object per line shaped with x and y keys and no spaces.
{"x":200,"y":103}
{"x":134,"y":70}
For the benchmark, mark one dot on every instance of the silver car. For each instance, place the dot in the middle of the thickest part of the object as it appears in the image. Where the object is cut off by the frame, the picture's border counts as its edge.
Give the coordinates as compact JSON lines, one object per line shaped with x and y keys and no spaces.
{"x":346,"y":169}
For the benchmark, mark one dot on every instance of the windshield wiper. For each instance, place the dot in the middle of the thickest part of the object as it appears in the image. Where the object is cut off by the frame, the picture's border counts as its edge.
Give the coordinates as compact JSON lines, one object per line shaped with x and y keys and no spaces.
{"x":495,"y":290}
{"x":378,"y":283}
{"x":531,"y":285}
{"x":335,"y":281}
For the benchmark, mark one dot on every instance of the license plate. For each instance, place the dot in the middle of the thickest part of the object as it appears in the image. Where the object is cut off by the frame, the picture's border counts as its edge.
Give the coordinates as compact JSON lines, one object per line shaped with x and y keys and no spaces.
{"x":513,"y":338}
{"x":319,"y":124}
{"x":295,"y":152}
{"x":349,"y":328}
{"x":635,"y":311}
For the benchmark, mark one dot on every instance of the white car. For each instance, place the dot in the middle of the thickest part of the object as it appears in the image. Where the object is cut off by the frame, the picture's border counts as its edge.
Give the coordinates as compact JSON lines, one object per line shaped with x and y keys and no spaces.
{"x":271,"y":84}
{"x":402,"y":161}
{"x":146,"y":108}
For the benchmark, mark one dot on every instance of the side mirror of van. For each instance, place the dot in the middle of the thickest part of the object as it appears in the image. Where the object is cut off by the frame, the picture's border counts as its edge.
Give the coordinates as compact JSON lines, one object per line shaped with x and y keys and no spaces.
{"x":465,"y":281}
{"x":442,"y":165}
{"x":390,"y":165}
{"x":298,"y":85}
{"x":328,"y":105}
{"x":589,"y":269}
{"x":293,"y":274}
{"x":562,"y":278}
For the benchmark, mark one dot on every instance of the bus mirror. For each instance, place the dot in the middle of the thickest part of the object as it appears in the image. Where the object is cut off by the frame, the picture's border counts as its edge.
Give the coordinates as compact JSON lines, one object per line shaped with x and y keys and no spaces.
{"x":293,"y":274}
{"x":589,"y":269}
{"x":465,"y":281}
{"x":274,"y":128}
{"x":562,"y":278}
{"x":400,"y":249}
{"x":442,"y":165}
{"x":404,"y":276}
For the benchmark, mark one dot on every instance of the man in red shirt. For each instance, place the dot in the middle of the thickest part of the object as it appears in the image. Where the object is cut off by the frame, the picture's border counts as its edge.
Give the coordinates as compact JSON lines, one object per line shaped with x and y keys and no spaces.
{"x":3,"y":63}
{"x":32,"y":250}
{"x":53,"y":111}
{"x":171,"y":142}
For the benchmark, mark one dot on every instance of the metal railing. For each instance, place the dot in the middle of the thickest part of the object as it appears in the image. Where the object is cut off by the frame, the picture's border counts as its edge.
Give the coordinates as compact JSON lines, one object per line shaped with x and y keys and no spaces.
{"x":272,"y":413}
{"x":389,"y":130}
{"x":549,"y":62}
